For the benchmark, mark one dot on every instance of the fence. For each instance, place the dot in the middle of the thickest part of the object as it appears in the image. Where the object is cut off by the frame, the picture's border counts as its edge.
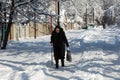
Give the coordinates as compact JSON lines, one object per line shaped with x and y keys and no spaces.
{"x":28,"y":30}
{"x":31,"y":30}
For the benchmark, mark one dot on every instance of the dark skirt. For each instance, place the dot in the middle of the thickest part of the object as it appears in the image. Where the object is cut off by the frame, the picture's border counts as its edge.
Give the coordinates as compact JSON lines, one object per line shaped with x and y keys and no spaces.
{"x":59,"y":52}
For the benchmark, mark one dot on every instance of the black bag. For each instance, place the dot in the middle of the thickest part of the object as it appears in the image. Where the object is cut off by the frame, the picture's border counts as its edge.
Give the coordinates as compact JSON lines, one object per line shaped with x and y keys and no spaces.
{"x":68,"y":56}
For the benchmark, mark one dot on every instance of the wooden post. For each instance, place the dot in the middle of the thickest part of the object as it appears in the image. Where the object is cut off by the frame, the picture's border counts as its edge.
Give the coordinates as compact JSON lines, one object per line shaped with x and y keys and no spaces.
{"x":29,"y":30}
{"x":93,"y":16}
{"x":58,"y":11}
{"x":35,"y":30}
{"x":11,"y":32}
{"x":51,"y":28}
{"x":24,"y":31}
{"x":86,"y":17}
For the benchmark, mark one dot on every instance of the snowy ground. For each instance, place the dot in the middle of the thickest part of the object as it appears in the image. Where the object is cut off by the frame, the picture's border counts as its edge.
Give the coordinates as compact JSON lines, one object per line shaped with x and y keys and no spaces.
{"x":95,"y":52}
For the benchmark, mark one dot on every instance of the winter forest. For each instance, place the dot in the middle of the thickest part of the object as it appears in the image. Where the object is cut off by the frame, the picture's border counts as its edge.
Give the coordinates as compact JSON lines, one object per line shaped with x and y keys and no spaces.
{"x":92,"y":28}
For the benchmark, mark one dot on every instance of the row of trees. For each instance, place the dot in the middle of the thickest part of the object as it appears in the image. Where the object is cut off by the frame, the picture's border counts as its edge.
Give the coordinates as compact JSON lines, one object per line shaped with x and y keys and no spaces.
{"x":105,"y":11}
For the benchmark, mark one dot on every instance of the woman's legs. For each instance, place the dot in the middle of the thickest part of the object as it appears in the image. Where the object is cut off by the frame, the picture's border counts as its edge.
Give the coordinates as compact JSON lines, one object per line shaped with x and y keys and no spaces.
{"x":57,"y":63}
{"x":59,"y":53}
{"x":62,"y":62}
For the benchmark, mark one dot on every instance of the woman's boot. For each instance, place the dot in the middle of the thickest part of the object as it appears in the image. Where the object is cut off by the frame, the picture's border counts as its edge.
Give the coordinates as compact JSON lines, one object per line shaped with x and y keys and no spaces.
{"x":57,"y":63}
{"x":62,"y":62}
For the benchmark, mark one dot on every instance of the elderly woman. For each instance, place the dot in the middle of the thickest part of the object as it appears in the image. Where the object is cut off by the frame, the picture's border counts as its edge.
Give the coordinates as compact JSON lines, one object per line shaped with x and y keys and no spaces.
{"x":58,"y":41}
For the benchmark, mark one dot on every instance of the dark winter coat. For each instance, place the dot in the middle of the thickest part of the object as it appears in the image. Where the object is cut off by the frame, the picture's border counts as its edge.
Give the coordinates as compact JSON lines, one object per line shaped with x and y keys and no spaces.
{"x":59,"y":40}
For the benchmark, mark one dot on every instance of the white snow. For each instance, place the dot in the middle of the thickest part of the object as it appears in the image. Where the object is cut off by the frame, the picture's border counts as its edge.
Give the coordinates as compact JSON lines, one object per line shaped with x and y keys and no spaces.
{"x":95,"y":53}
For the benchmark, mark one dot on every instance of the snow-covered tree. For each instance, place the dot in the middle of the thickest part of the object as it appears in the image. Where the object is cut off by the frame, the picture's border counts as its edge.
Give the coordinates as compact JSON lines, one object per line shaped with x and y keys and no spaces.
{"x":23,"y":11}
{"x":105,"y":11}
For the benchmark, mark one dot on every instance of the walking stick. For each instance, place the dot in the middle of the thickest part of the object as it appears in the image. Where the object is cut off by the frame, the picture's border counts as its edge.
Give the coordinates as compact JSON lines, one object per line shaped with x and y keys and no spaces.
{"x":52,"y":56}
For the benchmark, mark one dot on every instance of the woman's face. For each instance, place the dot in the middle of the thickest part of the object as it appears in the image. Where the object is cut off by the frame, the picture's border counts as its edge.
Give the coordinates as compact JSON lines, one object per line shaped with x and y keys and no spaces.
{"x":57,"y":30}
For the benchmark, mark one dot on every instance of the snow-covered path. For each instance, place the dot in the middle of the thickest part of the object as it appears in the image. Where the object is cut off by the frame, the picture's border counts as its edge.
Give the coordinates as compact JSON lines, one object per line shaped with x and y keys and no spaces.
{"x":95,"y":52}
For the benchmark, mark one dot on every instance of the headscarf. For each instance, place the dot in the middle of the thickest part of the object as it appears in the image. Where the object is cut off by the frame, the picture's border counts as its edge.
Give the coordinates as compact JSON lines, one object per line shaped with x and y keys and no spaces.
{"x":58,"y":28}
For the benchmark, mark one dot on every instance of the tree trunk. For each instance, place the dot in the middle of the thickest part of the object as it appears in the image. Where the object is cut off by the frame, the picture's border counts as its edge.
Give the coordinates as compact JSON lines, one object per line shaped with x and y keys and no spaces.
{"x":5,"y":40}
